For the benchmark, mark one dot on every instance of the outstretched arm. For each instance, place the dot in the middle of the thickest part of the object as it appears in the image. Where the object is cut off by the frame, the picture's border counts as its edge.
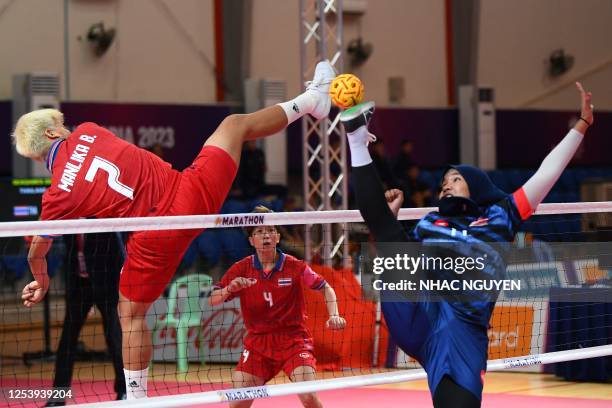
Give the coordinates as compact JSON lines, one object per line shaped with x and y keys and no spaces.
{"x":538,"y":186}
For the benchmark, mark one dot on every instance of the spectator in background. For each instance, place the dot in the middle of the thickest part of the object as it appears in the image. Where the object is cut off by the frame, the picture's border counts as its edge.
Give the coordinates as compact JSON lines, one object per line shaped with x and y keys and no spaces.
{"x":252,"y":171}
{"x":334,"y":144}
{"x":92,"y":265}
{"x":415,"y":189}
{"x":381,"y":162}
{"x":293,"y":235}
{"x":252,"y":174}
{"x":404,"y":160}
{"x":542,"y":251}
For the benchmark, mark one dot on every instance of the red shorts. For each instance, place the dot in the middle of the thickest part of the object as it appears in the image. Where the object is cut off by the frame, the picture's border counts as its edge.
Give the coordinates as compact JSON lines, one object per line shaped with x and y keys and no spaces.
{"x":265,"y":355}
{"x":153,"y":256}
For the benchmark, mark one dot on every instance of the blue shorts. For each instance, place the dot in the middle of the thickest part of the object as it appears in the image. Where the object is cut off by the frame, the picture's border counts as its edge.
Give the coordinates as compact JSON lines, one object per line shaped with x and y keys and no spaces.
{"x":441,"y":342}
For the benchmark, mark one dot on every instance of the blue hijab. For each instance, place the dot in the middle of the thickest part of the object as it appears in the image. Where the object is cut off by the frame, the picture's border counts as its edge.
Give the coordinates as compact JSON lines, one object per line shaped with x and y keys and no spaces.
{"x":483,"y":193}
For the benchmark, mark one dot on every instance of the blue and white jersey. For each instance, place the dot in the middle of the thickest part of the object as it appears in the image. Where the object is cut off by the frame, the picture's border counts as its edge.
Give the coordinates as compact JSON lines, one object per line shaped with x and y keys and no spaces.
{"x":497,"y":224}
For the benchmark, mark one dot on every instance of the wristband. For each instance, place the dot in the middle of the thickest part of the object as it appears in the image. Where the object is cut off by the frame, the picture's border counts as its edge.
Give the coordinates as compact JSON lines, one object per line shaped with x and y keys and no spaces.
{"x":585,"y":121}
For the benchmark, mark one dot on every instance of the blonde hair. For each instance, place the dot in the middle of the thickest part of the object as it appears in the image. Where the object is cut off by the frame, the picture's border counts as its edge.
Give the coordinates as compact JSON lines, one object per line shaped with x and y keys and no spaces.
{"x":29,"y":134}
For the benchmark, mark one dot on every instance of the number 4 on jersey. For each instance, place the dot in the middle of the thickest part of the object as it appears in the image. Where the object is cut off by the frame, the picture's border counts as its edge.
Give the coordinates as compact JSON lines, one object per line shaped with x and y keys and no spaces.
{"x":268,"y":297}
{"x":113,"y":171}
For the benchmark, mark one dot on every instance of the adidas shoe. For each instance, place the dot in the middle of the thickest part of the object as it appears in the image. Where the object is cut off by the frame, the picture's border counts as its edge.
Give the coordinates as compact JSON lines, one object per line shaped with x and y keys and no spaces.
{"x":318,"y":88}
{"x":358,"y":116}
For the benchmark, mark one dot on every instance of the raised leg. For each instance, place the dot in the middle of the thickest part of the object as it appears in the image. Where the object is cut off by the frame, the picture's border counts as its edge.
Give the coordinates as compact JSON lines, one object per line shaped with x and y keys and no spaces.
{"x":235,"y":129}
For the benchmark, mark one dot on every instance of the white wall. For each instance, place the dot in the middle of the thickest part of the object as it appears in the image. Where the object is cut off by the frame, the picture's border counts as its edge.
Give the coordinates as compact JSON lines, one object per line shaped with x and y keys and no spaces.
{"x":516,"y":38}
{"x":156,"y":59}
{"x":158,"y":62}
{"x":31,"y":39}
{"x":408,"y":40}
{"x":275,"y":42}
{"x":153,"y":58}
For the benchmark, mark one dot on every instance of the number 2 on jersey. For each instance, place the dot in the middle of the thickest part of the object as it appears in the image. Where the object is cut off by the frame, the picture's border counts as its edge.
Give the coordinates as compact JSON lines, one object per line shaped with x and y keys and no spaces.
{"x":113,"y":171}
{"x":268,"y":297}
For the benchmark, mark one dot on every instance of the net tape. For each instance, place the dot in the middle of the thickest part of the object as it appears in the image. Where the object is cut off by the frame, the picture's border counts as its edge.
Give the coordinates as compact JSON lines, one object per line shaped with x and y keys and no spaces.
{"x":24,"y":228}
{"x":346,"y":382}
{"x":11,"y":229}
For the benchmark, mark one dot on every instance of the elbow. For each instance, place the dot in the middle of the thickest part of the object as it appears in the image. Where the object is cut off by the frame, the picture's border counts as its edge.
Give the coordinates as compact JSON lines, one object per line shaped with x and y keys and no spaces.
{"x":32,"y":259}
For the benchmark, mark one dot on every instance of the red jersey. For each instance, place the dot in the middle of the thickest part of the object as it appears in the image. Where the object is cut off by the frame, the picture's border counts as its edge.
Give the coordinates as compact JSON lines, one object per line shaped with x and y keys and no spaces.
{"x":276,"y":301}
{"x":96,"y":174}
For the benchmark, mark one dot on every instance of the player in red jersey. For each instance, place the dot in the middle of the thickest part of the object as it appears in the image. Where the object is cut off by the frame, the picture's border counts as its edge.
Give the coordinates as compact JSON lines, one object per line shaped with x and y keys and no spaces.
{"x":270,"y":287}
{"x":96,"y":174}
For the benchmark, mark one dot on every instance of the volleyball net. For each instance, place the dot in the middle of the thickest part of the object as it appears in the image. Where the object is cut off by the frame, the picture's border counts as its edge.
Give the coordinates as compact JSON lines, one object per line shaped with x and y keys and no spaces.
{"x":562,"y":260}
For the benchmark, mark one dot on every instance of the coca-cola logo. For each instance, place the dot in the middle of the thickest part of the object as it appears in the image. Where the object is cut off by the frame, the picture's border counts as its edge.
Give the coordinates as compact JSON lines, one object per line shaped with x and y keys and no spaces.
{"x":216,"y":328}
{"x":223,"y":329}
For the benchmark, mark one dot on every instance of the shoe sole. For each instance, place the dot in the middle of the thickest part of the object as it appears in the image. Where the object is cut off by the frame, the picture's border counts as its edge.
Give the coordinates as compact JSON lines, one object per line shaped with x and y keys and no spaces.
{"x":352,"y":113}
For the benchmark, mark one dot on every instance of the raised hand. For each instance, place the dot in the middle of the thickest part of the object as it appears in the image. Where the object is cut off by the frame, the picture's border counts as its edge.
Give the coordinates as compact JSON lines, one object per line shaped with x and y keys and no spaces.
{"x":586,"y":109}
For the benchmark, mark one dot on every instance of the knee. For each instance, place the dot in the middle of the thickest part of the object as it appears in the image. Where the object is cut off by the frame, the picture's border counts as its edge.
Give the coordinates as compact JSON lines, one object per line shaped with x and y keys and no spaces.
{"x":303,"y":373}
{"x":241,"y":379}
{"x":235,"y":125}
{"x":129,"y":311}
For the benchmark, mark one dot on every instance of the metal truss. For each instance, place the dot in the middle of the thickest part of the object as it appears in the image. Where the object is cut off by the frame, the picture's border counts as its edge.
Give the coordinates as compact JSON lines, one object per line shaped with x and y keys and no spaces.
{"x":324,"y":144}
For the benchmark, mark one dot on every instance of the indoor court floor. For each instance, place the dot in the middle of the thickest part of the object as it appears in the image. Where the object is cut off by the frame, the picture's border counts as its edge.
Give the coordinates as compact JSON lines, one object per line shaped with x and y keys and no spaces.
{"x":502,"y":389}
{"x":18,"y":334}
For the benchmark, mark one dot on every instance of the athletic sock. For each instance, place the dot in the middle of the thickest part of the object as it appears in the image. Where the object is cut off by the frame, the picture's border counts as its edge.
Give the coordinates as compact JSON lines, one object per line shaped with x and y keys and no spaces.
{"x":136,"y":383}
{"x":298,"y":107}
{"x":358,"y":143}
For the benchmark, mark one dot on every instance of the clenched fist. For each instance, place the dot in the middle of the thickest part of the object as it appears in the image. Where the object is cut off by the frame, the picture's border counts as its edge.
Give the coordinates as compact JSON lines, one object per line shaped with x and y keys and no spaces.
{"x":240,"y":283}
{"x":395,"y":199}
{"x":335,"y":323}
{"x":33,"y":293}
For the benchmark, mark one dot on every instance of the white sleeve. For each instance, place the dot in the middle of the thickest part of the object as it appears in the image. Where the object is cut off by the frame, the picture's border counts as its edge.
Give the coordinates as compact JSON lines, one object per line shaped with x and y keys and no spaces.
{"x":538,"y":186}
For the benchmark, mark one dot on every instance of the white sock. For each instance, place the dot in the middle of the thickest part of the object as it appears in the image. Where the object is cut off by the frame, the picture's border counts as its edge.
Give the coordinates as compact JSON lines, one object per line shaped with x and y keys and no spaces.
{"x":358,"y":143}
{"x":298,"y":107}
{"x":136,"y":383}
